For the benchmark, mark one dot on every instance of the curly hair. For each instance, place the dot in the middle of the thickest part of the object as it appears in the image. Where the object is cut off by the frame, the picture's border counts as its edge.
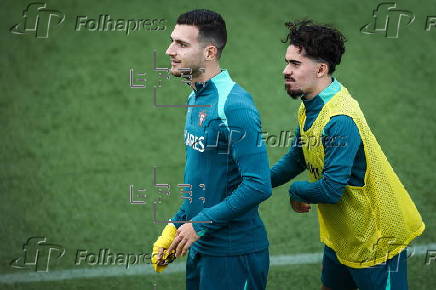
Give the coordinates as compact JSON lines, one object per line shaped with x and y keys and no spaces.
{"x":320,"y":42}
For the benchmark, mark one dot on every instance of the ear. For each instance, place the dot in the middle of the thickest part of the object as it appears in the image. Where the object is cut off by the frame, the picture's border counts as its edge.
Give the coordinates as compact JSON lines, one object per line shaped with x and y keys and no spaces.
{"x":210,"y":52}
{"x":323,"y":70}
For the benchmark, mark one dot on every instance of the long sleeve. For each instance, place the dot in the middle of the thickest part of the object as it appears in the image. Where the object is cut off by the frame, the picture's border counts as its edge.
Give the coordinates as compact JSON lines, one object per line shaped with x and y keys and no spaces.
{"x":252,"y":161}
{"x":338,"y":163}
{"x":290,"y":165}
{"x":181,"y":213}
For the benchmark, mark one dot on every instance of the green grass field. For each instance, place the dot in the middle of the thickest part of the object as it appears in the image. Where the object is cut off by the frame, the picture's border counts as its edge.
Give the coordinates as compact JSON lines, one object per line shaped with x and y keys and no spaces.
{"x":74,"y":135}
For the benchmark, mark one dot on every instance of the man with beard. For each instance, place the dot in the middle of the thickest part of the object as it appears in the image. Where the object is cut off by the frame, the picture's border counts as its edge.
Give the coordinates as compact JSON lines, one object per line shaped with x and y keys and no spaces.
{"x":226,"y":173}
{"x":366,"y":216}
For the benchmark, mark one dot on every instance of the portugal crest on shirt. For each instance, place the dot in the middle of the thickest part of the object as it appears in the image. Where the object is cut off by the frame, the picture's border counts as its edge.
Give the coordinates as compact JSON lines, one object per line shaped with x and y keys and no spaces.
{"x":201,"y":117}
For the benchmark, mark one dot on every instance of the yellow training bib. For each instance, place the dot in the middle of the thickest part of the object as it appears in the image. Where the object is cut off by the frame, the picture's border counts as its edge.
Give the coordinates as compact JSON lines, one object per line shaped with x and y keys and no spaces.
{"x":371,"y":223}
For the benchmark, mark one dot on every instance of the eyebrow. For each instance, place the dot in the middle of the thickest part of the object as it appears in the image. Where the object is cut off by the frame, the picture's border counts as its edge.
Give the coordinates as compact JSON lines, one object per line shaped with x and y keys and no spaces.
{"x":179,"y":41}
{"x":293,"y":61}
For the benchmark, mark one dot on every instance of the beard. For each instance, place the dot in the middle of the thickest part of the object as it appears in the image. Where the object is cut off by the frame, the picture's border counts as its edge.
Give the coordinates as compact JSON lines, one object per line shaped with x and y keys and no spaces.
{"x":186,"y":71}
{"x":294,"y":93}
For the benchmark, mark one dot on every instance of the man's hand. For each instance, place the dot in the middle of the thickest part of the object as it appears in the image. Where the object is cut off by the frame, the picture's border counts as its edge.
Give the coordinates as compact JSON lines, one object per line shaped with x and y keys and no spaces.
{"x":164,"y":257}
{"x":300,"y":207}
{"x":185,"y":236}
{"x":160,"y":257}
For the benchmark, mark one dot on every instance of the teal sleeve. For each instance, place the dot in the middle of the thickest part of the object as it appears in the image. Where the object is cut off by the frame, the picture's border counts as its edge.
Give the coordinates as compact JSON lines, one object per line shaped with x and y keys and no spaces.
{"x":341,"y":144}
{"x":180,"y":214}
{"x":252,"y":161}
{"x":290,"y":165}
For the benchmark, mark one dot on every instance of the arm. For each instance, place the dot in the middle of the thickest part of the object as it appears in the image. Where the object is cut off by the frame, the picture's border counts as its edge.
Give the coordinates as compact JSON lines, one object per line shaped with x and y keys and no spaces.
{"x":290,"y":165}
{"x":338,"y":161}
{"x":180,"y":214}
{"x":253,"y":166}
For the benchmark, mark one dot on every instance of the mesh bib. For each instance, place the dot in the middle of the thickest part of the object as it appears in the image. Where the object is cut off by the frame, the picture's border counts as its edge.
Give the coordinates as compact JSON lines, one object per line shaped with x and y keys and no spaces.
{"x":371,"y":223}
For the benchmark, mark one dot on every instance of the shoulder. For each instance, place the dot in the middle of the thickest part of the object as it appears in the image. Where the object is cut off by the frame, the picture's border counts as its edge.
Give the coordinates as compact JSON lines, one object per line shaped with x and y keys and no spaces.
{"x":341,"y":125}
{"x":344,"y":104}
{"x":237,"y":107}
{"x":239,"y":99}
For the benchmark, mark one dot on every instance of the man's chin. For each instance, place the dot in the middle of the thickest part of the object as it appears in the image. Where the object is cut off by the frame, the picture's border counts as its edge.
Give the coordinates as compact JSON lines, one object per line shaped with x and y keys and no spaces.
{"x":295,"y":94}
{"x":175,"y":72}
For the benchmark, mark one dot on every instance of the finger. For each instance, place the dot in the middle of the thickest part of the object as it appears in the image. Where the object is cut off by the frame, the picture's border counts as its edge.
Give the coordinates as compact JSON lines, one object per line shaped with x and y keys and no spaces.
{"x":180,"y":247}
{"x":299,"y":209}
{"x":186,"y":247}
{"x":306,"y":206}
{"x":159,"y":254}
{"x":302,"y":208}
{"x":174,"y":244}
{"x":160,"y":259}
{"x":295,"y":206}
{"x":170,"y":258}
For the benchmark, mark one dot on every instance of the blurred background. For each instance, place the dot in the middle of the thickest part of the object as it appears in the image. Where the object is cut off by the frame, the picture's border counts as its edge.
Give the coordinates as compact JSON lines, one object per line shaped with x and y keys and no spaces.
{"x":79,"y":145}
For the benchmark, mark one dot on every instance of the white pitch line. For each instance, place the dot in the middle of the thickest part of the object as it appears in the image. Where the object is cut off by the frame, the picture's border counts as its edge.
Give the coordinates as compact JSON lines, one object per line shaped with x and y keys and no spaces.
{"x":144,"y":269}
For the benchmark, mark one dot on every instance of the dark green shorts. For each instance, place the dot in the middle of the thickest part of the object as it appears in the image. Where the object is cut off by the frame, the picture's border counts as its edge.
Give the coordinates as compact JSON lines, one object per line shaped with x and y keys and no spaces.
{"x":391,"y":275}
{"x":248,"y":271}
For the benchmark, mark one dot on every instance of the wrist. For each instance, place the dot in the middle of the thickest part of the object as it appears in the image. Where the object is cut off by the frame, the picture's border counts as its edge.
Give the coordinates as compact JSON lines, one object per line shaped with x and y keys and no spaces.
{"x":292,"y":193}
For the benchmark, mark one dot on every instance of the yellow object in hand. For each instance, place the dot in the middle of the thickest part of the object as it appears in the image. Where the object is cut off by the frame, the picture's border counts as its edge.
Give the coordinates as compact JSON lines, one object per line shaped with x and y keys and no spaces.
{"x":163,"y":241}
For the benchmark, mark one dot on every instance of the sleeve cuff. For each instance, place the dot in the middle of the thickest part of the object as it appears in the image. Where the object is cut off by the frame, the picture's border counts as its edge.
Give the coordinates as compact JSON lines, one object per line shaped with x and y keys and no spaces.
{"x":177,"y":225}
{"x":200,"y":228}
{"x":293,"y":192}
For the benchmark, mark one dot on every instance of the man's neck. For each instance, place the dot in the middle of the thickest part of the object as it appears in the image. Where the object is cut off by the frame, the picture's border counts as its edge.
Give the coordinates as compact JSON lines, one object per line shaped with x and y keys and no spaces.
{"x":208,"y":73}
{"x":322,"y":84}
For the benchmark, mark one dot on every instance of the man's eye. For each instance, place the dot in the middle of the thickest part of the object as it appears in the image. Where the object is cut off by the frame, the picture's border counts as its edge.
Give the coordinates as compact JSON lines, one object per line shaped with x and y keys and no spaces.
{"x":183,"y":45}
{"x":294,"y":64}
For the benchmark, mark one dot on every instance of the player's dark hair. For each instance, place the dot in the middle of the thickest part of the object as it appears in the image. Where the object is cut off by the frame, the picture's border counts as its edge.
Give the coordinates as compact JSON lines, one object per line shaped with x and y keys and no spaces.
{"x":211,"y":27}
{"x":320,"y":42}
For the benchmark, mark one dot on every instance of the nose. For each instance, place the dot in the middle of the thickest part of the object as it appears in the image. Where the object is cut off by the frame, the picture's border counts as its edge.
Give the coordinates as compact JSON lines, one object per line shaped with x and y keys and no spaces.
{"x":170,"y":50}
{"x":287,"y":70}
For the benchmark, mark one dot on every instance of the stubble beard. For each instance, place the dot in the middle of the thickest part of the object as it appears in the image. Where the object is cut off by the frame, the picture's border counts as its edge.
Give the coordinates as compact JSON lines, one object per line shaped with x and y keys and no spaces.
{"x":187,"y":72}
{"x":294,"y":94}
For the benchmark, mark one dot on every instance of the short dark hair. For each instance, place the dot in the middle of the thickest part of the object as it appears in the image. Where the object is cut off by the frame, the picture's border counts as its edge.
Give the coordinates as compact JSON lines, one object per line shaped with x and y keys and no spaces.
{"x":320,"y":42}
{"x":211,"y":26}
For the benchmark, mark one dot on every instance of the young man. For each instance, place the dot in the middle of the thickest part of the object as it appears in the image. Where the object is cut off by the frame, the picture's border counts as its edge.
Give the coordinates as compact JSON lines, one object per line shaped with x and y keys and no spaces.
{"x":227,"y":173}
{"x":366,"y":216}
